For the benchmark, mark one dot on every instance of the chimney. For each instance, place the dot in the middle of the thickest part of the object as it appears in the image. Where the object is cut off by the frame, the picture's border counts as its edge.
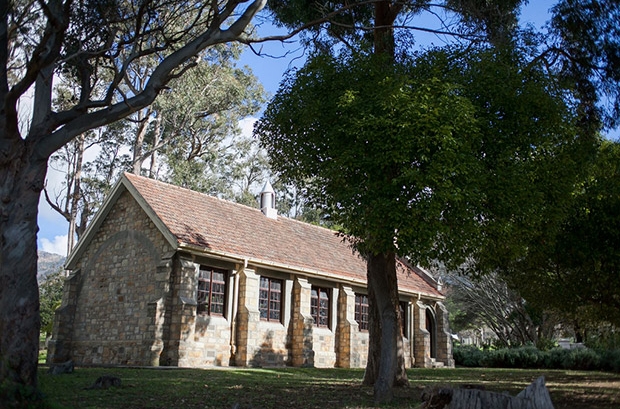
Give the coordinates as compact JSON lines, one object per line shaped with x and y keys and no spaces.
{"x":268,"y":201}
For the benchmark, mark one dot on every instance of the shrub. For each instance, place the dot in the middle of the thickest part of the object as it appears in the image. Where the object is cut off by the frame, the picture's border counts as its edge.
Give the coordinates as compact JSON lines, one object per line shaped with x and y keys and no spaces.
{"x":610,"y":360}
{"x":532,"y":358}
{"x":555,"y":358}
{"x":467,"y":355}
{"x":524,"y":357}
{"x":585,"y":359}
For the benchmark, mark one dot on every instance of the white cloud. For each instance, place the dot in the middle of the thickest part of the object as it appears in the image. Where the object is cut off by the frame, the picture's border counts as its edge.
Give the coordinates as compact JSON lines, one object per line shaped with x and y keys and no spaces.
{"x":57,"y":246}
{"x":247,"y":126}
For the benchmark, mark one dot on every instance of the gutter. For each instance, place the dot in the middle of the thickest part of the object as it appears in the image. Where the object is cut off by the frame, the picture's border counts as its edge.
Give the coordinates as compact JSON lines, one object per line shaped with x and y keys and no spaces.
{"x":287,"y":268}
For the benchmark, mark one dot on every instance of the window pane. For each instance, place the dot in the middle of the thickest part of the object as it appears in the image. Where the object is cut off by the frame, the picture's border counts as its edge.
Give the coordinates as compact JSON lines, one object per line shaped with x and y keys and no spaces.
{"x":262,"y":306}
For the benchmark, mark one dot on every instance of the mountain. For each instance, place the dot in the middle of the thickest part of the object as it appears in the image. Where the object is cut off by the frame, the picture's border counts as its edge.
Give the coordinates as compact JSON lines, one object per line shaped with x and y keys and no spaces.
{"x":48,"y":263}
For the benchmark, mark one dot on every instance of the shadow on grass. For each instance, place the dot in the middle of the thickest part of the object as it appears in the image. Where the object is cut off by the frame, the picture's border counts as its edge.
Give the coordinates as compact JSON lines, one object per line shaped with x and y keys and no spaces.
{"x":304,"y":387}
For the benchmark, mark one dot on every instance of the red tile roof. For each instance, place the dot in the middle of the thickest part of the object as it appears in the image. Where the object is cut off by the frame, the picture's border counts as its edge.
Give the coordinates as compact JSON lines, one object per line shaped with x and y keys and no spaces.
{"x":216,"y":225}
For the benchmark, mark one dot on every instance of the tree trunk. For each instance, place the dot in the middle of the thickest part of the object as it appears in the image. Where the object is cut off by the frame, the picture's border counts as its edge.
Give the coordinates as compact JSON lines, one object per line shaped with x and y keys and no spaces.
{"x":75,"y":193}
{"x":143,"y":124}
{"x":156,"y":137}
{"x":21,"y":183}
{"x":385,"y":368}
{"x":535,"y":396}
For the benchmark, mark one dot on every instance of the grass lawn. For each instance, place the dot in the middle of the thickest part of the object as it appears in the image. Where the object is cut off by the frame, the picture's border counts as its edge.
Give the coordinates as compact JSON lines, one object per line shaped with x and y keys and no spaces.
{"x":304,"y":388}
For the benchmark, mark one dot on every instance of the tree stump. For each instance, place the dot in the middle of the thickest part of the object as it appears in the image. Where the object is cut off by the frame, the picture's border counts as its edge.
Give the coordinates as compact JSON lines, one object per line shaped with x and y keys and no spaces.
{"x":535,"y":396}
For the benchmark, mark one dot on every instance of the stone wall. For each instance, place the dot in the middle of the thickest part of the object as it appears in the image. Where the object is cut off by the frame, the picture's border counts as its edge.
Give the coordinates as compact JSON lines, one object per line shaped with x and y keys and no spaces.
{"x":260,"y":343}
{"x":195,"y":340}
{"x":421,"y":337}
{"x":106,"y":302}
{"x":444,"y":338}
{"x":302,"y":325}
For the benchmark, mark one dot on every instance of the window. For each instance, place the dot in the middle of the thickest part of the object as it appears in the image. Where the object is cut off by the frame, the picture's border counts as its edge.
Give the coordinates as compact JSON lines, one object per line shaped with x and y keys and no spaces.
{"x":211,"y":292}
{"x":404,"y":307}
{"x":361,"y":311}
{"x":319,"y":306}
{"x":270,"y":299}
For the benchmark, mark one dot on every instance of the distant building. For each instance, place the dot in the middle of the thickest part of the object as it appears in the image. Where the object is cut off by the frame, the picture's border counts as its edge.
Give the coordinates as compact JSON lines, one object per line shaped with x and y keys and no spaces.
{"x":168,"y":276}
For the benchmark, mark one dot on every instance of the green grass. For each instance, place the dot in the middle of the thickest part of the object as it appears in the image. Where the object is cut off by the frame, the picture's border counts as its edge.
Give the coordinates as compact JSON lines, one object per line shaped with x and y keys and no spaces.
{"x":304,"y":388}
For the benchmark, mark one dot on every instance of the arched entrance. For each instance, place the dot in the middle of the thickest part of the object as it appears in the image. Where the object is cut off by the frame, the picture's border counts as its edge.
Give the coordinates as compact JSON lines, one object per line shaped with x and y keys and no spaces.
{"x":431,"y":327}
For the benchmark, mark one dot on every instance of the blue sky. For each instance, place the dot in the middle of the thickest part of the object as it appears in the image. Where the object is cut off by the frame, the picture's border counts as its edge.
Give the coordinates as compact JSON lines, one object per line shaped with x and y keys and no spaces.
{"x":275,"y":59}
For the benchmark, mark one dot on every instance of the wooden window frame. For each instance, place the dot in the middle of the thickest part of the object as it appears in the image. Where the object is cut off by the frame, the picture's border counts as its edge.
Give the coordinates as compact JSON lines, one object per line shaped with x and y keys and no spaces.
{"x":210,"y":287}
{"x":362,"y":311}
{"x":270,"y":299}
{"x":316,"y":307}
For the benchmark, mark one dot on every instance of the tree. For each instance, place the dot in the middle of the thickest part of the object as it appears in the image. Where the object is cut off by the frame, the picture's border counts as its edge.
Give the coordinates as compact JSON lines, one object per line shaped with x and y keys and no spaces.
{"x":575,"y":271}
{"x":585,"y":49}
{"x":489,"y":301}
{"x":50,"y":294}
{"x":193,"y":141}
{"x":96,"y":42}
{"x":371,"y":26}
{"x":441,"y":158}
{"x":214,"y":95}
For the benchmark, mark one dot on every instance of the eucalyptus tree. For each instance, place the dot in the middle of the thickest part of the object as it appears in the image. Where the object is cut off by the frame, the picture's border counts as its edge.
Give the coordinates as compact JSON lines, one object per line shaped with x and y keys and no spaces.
{"x":97,"y":42}
{"x":193,"y":141}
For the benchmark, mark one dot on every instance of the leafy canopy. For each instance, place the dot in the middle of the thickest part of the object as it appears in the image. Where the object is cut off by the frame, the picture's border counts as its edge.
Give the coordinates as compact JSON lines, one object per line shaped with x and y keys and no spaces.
{"x":436,"y":157}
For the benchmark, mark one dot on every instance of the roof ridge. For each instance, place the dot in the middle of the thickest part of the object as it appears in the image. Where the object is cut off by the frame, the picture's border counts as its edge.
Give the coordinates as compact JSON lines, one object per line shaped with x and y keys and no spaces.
{"x":186,"y":189}
{"x":150,"y":180}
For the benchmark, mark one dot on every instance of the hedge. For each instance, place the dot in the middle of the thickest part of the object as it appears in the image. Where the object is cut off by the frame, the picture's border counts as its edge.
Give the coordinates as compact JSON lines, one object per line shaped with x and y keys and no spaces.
{"x":531,"y":358}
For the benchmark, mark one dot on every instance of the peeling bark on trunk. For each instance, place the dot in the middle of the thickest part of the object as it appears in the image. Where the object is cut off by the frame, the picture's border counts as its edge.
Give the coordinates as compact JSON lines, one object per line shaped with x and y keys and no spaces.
{"x":21,"y":183}
{"x":385,"y":368}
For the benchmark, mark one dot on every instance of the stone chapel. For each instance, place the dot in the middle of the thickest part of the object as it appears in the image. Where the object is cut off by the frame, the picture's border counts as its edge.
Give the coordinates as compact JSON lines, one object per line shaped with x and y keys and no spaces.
{"x":172,"y":277}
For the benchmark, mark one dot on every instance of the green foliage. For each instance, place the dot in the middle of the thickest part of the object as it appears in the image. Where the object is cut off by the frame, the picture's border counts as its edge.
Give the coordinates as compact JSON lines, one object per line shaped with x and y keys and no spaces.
{"x":467,"y":355}
{"x":200,"y":144}
{"x":610,"y":360}
{"x":376,"y":142}
{"x":530,"y":357}
{"x":523,"y":357}
{"x":587,"y":53}
{"x":446,"y":154}
{"x":50,"y":297}
{"x":576,"y":270}
{"x":602,"y":336}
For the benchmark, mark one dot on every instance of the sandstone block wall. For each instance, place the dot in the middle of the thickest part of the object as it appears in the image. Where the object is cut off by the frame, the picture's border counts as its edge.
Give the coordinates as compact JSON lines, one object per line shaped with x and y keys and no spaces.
{"x":110,"y":292}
